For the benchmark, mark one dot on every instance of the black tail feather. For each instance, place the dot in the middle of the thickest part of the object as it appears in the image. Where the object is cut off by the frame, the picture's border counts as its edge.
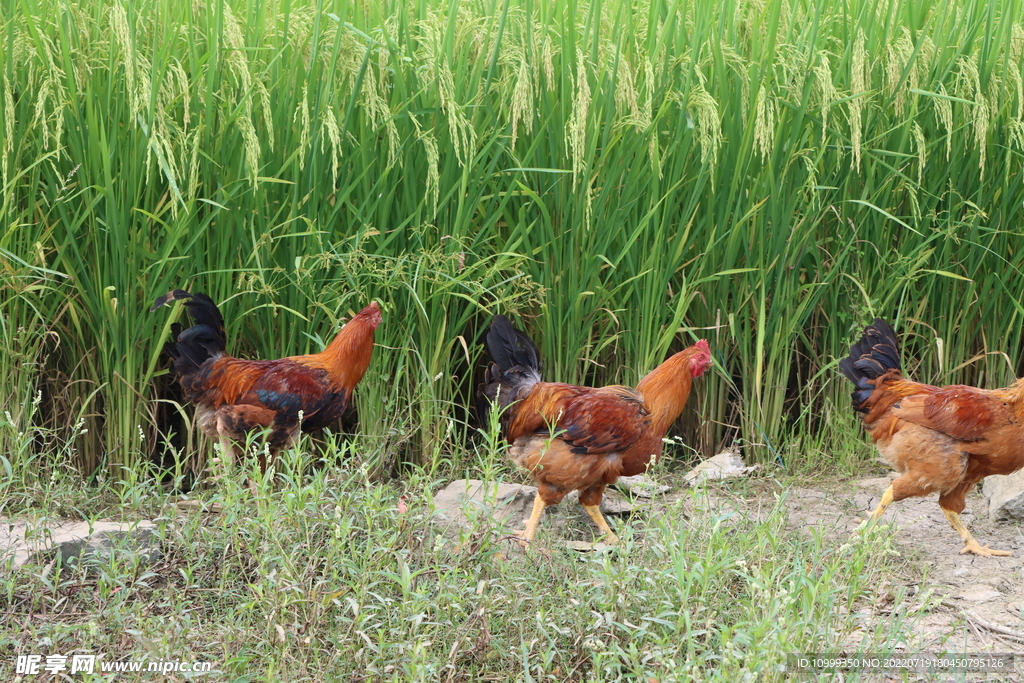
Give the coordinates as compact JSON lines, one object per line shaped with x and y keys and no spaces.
{"x":509,"y":347}
{"x":516,"y":365}
{"x":876,"y":353}
{"x":191,"y":347}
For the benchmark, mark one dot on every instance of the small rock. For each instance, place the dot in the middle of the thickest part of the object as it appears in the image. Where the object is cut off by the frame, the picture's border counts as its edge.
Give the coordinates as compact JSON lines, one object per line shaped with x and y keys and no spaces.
{"x":999,"y":583}
{"x":725,"y":465}
{"x":500,"y":500}
{"x":978,"y":593}
{"x":510,"y":505}
{"x":612,"y":503}
{"x":584,"y":546}
{"x":190,"y":506}
{"x":1005,"y":495}
{"x":75,"y":541}
{"x":641,"y":486}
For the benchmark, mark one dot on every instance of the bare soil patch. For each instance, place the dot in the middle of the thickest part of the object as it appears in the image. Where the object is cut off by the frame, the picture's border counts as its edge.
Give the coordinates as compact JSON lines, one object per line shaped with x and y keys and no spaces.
{"x":957,"y":603}
{"x":977,"y":597}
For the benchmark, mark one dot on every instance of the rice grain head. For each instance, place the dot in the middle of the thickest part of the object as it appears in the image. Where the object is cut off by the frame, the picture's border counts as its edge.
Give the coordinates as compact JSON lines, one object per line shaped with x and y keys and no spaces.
{"x":648,"y":113}
{"x":302,"y":117}
{"x":1013,"y":75}
{"x":824,"y":88}
{"x":548,"y":62}
{"x":739,"y":66}
{"x":378,"y":111}
{"x":394,"y":140}
{"x":433,"y":185}
{"x":1016,"y":42}
{"x":626,"y":98}
{"x":122,"y":36}
{"x":522,"y":99}
{"x":51,"y":99}
{"x":331,"y":131}
{"x":168,"y":140}
{"x":1013,"y":69}
{"x":860,"y":77}
{"x":8,"y":145}
{"x":251,"y":143}
{"x":268,"y":118}
{"x":967,"y":85}
{"x":648,"y":108}
{"x":704,"y":109}
{"x":176,"y":75}
{"x":764,"y":124}
{"x":577,"y":124}
{"x":463,"y":135}
{"x":898,"y":56}
{"x":193,"y":164}
{"x":922,"y":150}
{"x":911,"y":192}
{"x":811,"y":184}
{"x":235,"y":53}
{"x":238,"y":66}
{"x":1015,"y":131}
{"x":944,"y":114}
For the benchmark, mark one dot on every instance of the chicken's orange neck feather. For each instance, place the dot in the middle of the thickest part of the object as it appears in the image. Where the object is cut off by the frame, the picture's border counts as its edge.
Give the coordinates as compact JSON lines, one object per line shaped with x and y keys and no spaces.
{"x":347,"y":357}
{"x":666,"y":388}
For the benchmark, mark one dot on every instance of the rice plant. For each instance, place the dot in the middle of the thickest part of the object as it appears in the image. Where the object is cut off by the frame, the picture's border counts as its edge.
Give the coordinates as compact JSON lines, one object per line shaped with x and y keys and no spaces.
{"x":623,"y":177}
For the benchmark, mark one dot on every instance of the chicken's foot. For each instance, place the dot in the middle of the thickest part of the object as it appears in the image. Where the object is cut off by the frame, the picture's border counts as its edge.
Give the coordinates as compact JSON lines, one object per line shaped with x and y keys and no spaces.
{"x":595,"y":514}
{"x":887,"y":499}
{"x":972,"y":546}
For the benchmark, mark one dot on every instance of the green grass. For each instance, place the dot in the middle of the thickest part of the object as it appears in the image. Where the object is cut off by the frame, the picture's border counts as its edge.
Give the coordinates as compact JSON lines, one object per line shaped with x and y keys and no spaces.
{"x":621,"y":177}
{"x":319,"y":577}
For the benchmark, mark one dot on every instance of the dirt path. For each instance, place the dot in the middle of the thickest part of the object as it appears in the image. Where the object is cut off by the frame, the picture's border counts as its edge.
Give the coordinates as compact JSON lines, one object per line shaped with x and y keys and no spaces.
{"x":975,"y":597}
{"x":962,"y":603}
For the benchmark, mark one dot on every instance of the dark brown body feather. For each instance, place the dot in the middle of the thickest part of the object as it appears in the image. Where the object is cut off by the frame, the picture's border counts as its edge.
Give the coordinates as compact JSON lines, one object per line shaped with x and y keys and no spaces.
{"x":941,"y":439}
{"x":236,"y":398}
{"x":582,"y":438}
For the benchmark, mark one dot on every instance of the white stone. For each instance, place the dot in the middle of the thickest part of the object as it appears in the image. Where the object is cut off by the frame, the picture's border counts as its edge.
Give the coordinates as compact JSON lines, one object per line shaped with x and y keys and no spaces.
{"x":465,"y":499}
{"x":726,"y":465}
{"x":508,"y":504}
{"x":1005,"y":495}
{"x":584,"y":546}
{"x":72,"y":539}
{"x":640,"y":486}
{"x":978,"y":593}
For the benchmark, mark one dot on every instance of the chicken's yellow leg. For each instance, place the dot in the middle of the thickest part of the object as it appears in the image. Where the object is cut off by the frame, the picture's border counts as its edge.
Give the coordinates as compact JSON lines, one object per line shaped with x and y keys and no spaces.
{"x":972,"y":546}
{"x":887,"y":499}
{"x":595,"y":514}
{"x":531,"y":524}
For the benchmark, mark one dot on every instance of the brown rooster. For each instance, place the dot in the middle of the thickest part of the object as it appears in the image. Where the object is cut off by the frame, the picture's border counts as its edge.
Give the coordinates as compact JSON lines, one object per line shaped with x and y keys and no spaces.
{"x":582,"y":438}
{"x":235,"y":398}
{"x":940,"y":439}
